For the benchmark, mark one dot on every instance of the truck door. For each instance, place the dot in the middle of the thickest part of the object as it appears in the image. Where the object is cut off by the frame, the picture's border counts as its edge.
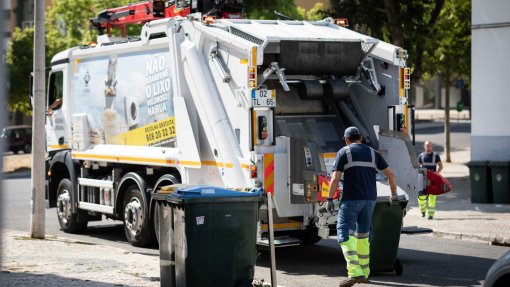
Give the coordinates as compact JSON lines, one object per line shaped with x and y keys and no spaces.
{"x":56,"y":136}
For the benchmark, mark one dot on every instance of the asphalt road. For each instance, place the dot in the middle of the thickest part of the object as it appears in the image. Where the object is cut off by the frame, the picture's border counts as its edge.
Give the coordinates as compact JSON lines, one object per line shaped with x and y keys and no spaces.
{"x":460,"y":136}
{"x":427,"y":260}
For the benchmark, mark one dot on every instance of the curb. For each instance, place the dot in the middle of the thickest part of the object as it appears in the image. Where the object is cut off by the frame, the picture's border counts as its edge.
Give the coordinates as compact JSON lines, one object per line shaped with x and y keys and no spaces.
{"x":490,"y":240}
{"x":436,"y":124}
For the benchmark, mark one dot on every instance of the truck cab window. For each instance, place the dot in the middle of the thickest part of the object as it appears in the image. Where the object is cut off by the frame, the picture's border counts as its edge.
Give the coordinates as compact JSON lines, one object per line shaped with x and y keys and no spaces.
{"x":55,"y":91}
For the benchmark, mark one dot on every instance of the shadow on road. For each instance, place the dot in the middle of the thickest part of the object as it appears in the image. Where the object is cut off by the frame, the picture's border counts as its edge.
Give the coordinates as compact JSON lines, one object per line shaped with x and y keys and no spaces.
{"x":19,"y":174}
{"x":29,"y":279}
{"x":113,"y":233}
{"x":427,"y":268}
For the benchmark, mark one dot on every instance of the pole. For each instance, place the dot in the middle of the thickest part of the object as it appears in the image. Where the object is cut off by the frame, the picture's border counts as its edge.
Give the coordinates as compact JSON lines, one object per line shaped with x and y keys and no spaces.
{"x":3,"y":76}
{"x":271,"y":238}
{"x":38,"y":149}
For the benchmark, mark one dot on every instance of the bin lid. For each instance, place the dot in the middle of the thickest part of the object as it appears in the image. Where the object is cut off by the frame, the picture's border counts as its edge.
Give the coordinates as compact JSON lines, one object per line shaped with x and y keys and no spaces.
{"x":499,"y":163}
{"x":185,"y":193}
{"x":475,"y":163}
{"x":384,"y":192}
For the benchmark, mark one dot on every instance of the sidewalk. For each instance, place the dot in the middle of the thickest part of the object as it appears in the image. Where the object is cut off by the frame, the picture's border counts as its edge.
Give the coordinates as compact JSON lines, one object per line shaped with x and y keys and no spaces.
{"x":438,"y":115}
{"x":65,"y":262}
{"x":456,"y":216}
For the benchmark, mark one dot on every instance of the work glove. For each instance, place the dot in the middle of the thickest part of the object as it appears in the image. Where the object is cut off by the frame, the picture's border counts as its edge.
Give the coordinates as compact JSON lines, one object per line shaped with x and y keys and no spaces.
{"x":394,"y":199}
{"x":330,"y":206}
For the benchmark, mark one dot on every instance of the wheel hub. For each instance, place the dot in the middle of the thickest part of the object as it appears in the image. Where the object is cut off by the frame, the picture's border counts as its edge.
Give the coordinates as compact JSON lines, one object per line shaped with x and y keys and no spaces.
{"x":64,"y":206}
{"x":133,"y":216}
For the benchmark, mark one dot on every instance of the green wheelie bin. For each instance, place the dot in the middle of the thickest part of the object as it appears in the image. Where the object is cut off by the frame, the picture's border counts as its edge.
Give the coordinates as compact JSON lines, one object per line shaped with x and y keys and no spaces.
{"x":480,"y":180}
{"x":385,"y":234}
{"x":207,"y":235}
{"x":500,"y":181}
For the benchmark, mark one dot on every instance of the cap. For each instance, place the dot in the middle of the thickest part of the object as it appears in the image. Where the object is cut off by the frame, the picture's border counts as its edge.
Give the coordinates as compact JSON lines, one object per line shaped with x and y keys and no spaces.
{"x":350,"y":132}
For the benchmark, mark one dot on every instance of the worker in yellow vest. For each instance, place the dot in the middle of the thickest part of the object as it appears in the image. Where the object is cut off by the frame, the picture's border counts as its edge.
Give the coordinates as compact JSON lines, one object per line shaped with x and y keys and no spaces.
{"x":431,"y":161}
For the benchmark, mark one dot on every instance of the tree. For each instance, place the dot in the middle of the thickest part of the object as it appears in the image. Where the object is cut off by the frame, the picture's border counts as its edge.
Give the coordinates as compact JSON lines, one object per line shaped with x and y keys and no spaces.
{"x":264,"y":9}
{"x":19,"y":57}
{"x":316,"y":13}
{"x":449,"y":52}
{"x":67,"y":22}
{"x":66,"y":26}
{"x":405,"y":23}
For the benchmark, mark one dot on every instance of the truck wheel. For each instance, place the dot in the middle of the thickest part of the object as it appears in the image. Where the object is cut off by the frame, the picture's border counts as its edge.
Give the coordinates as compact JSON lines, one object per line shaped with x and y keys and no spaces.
{"x":137,"y":226}
{"x":67,"y":220}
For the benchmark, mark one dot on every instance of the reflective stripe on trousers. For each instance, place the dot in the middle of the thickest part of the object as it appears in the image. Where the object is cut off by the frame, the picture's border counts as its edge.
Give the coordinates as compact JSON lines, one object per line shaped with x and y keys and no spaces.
{"x":363,"y":248}
{"x":349,"y":249}
{"x":422,"y":201}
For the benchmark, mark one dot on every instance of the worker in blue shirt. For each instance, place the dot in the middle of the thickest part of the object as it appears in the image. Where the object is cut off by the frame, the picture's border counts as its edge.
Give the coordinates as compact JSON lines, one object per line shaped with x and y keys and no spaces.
{"x":359,"y":164}
{"x":431,"y":161}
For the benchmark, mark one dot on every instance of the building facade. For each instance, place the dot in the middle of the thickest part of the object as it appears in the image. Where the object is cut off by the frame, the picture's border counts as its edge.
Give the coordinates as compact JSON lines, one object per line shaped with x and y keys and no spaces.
{"x":490,"y":131}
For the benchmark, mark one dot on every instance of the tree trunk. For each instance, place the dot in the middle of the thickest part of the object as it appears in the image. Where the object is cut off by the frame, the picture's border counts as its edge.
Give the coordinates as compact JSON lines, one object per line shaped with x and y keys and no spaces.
{"x":447,"y":84}
{"x":397,"y":35}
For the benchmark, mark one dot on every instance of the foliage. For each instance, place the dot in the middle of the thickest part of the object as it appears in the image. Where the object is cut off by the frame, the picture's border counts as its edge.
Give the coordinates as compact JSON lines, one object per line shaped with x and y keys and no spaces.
{"x":67,"y":22}
{"x":19,"y":62}
{"x":66,"y":26}
{"x":316,"y":13}
{"x":448,"y":52}
{"x":264,"y":9}
{"x":405,"y":23}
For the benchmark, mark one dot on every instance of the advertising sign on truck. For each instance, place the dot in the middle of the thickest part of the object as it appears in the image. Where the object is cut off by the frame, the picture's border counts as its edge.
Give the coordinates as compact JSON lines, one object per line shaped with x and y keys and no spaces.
{"x":128,"y":99}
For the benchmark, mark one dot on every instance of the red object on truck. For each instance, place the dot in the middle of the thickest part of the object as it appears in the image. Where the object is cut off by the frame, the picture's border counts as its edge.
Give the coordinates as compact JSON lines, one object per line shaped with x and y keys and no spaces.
{"x":437,"y":184}
{"x":323,"y":193}
{"x":145,"y":11}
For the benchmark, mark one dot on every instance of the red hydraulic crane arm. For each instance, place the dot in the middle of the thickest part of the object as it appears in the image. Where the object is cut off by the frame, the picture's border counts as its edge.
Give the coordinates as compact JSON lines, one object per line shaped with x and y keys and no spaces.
{"x":137,"y":13}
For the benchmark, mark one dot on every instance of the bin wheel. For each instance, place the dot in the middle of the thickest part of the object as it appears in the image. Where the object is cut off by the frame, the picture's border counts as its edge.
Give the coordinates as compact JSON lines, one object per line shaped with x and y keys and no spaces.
{"x":398,"y":267}
{"x":66,"y":218}
{"x":137,"y":224}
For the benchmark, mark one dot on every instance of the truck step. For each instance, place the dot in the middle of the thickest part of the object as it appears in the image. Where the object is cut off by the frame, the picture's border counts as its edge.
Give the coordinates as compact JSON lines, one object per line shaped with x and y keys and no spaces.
{"x":95,"y":182}
{"x":281,"y":241}
{"x":95,"y":207}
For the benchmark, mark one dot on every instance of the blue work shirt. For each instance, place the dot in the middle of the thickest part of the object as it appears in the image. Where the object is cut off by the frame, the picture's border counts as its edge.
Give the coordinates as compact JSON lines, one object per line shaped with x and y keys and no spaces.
{"x":360,"y":173}
{"x":429,"y":160}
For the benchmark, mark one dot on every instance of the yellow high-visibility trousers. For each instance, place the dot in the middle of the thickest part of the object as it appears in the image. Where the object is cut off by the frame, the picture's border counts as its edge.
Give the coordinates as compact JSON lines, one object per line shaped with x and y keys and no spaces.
{"x":352,"y":258}
{"x":363,"y":248}
{"x":427,"y":205}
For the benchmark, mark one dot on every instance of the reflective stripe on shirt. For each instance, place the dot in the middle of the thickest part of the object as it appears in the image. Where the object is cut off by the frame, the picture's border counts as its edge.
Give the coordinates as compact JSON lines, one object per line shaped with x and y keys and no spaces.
{"x":351,"y":163}
{"x":424,"y":163}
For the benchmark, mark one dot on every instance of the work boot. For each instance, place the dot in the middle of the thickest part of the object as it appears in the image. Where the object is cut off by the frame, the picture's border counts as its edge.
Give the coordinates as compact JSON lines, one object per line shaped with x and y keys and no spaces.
{"x":423,"y":214}
{"x":430,"y":217}
{"x":350,"y":281}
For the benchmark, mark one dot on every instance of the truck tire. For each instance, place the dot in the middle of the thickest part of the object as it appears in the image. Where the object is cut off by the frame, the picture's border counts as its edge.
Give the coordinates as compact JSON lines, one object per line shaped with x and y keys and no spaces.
{"x":138,"y":227}
{"x":67,"y":220}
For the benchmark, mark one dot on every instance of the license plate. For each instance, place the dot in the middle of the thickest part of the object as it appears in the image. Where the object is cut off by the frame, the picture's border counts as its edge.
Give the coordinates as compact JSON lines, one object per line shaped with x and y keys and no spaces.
{"x":263,"y":98}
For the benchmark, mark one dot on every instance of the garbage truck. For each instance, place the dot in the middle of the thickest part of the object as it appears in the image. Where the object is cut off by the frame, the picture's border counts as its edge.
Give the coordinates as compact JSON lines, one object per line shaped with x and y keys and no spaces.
{"x":233,"y":103}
